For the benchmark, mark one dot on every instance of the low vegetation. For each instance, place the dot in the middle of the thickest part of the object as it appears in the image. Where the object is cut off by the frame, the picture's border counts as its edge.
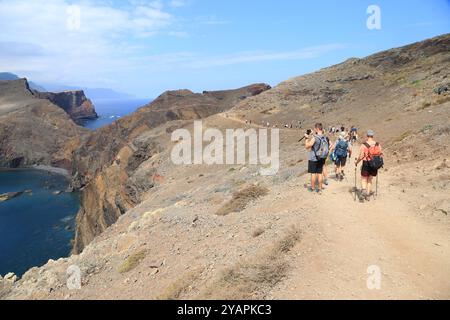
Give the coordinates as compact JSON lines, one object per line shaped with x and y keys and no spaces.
{"x":251,"y":278}
{"x":257,"y":232}
{"x":132,"y":261}
{"x":183,"y":285}
{"x":402,"y":137}
{"x":242,"y":198}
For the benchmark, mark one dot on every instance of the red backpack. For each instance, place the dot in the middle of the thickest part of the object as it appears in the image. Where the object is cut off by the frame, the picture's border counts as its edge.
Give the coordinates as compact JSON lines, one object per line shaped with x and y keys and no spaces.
{"x":375,"y":156}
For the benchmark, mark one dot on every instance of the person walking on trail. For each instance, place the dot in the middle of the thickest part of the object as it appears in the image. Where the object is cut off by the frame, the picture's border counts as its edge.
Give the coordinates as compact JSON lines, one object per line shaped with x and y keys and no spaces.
{"x":318,"y":147}
{"x":372,"y":157}
{"x":342,"y":149}
{"x":325,"y":165}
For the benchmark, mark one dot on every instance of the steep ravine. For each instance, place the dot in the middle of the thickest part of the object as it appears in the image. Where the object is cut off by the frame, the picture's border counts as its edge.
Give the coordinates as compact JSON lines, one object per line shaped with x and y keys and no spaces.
{"x":107,"y":166}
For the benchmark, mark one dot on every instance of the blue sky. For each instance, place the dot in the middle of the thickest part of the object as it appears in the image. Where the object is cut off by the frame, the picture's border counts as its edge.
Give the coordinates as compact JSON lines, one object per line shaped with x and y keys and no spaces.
{"x":147,"y":47}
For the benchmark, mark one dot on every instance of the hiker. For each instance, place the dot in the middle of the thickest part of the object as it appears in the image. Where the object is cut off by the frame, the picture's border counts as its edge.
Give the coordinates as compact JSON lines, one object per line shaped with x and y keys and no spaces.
{"x":341,"y":150}
{"x":372,"y":157}
{"x":325,"y":166}
{"x":319,"y":148}
{"x":354,"y":134}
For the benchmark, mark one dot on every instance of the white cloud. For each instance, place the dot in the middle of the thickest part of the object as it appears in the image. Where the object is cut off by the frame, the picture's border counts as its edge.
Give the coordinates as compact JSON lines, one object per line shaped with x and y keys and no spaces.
{"x":112,"y":45}
{"x":254,"y":57}
{"x":178,"y":3}
{"x":39,"y":40}
{"x":189,"y":60}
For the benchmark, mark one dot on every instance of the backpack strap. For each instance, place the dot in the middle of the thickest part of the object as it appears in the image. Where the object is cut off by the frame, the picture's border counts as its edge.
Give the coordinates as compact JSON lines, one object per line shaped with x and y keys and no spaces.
{"x":368,"y":150}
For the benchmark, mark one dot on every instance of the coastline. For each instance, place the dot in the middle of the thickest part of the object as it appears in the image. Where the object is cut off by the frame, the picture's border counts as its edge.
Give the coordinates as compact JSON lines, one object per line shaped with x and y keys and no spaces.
{"x":50,"y":169}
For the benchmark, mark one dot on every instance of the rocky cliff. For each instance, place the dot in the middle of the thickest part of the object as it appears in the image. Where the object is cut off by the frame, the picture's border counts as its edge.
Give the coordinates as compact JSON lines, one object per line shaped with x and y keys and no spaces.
{"x":75,"y":103}
{"x":34,"y":131}
{"x":107,"y":167}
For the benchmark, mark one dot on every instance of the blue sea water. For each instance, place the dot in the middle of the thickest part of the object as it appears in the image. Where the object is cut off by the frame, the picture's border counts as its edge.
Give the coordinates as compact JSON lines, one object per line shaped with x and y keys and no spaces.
{"x":110,"y":110}
{"x":37,"y":226}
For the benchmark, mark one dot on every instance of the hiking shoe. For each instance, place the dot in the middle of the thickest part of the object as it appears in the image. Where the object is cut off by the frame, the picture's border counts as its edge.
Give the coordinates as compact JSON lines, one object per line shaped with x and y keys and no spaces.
{"x":310,"y":189}
{"x":361,"y":196}
{"x":319,"y":192}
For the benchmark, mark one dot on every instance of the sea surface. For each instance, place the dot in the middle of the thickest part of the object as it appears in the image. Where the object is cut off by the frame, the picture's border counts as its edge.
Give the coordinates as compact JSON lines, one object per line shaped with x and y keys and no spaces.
{"x":38,"y":225}
{"x":110,"y":110}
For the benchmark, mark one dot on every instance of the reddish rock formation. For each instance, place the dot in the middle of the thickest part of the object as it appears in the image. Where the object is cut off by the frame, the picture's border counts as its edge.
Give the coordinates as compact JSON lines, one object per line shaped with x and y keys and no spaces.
{"x":34,"y":131}
{"x":75,"y":103}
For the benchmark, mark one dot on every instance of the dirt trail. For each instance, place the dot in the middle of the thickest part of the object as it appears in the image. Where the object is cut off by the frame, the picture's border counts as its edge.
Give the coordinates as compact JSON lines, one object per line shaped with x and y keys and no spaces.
{"x":254,"y":125}
{"x":331,"y":262}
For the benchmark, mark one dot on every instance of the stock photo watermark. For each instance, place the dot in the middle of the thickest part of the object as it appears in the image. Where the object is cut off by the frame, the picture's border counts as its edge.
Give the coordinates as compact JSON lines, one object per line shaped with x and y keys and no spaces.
{"x":374,"y":280}
{"x":374,"y":20}
{"x":227,"y":148}
{"x":73,"y":278}
{"x":73,"y":22}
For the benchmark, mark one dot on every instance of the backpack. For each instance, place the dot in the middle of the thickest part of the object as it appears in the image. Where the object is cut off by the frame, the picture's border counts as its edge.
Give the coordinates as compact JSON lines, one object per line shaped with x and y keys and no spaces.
{"x":324,"y":148}
{"x":375,"y":156}
{"x":341,"y":149}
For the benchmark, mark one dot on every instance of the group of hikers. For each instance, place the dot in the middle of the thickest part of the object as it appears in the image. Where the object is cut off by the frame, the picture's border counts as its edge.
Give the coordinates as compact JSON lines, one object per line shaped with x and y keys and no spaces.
{"x":322,"y":150}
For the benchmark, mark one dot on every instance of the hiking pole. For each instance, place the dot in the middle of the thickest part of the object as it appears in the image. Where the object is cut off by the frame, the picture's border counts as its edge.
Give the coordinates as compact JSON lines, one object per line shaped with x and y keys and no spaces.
{"x":376,"y":187}
{"x":355,"y":189}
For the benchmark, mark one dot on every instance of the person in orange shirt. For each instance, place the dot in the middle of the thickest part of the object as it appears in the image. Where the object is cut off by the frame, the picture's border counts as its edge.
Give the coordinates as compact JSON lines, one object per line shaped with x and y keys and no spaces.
{"x":371,"y":156}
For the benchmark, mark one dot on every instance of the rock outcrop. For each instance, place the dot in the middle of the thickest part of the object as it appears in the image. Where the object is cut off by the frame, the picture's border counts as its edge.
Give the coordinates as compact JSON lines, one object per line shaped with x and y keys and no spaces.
{"x":107,"y":167}
{"x":75,"y":103}
{"x":34,"y":131}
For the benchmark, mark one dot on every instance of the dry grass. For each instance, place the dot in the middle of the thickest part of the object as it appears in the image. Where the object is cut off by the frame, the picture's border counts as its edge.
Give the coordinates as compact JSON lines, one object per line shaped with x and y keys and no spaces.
{"x":132,"y":261}
{"x":443,"y":130}
{"x":441,"y":100}
{"x":257,"y":232}
{"x":250,"y":279}
{"x":241,"y":199}
{"x":424,"y":105}
{"x":402,"y":137}
{"x":181,"y":286}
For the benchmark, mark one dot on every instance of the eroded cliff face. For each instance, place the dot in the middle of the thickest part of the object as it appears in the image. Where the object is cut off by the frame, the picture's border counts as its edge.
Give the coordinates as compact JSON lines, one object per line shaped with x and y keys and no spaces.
{"x":108,"y":167}
{"x":34,"y":131}
{"x":75,"y":103}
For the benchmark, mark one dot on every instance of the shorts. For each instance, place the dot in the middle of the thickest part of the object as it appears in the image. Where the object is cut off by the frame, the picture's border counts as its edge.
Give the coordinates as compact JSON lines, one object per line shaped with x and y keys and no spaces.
{"x":340,"y":162}
{"x":316,"y":167}
{"x":367,"y":171}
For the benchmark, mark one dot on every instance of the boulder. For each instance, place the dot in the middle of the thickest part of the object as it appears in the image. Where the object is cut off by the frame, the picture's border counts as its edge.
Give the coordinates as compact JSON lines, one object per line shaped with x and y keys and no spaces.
{"x":10,"y":277}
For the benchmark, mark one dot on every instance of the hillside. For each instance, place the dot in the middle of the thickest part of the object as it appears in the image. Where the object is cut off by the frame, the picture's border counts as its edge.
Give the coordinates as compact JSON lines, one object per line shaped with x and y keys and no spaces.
{"x":150,"y":229}
{"x":122,"y":152}
{"x":34,"y":131}
{"x":8,"y":76}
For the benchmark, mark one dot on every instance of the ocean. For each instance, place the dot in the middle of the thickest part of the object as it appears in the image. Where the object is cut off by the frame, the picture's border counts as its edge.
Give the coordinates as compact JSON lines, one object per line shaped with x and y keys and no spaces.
{"x":110,"y":110}
{"x":39,"y":224}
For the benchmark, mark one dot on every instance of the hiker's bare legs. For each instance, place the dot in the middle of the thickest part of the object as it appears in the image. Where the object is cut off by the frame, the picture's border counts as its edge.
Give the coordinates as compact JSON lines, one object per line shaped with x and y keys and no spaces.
{"x":369,"y":184}
{"x":320,"y":178}
{"x":313,"y":181}
{"x":364,"y":183}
